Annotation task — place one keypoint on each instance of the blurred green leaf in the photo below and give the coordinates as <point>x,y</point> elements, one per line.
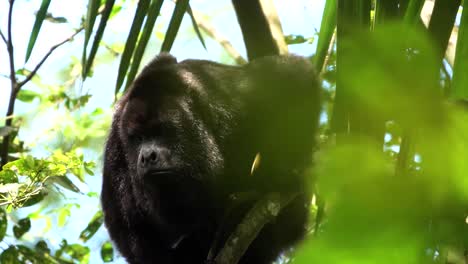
<point>93,226</point>
<point>8,176</point>
<point>116,9</point>
<point>195,26</point>
<point>108,7</point>
<point>27,96</point>
<point>89,171</point>
<point>413,11</point>
<point>107,252</point>
<point>93,194</point>
<point>22,227</point>
<point>153,13</point>
<point>174,24</point>
<point>40,16</point>
<point>42,247</point>
<point>9,256</point>
<point>22,72</point>
<point>62,217</point>
<point>34,199</point>
<point>296,39</point>
<point>58,20</point>
<point>78,252</point>
<point>93,6</point>
<point>140,14</point>
<point>64,182</point>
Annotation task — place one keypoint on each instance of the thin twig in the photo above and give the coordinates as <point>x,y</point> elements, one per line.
<point>3,37</point>
<point>33,72</point>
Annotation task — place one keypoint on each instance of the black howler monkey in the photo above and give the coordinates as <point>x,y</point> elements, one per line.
<point>183,139</point>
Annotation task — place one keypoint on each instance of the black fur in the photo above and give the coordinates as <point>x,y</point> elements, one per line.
<point>182,141</point>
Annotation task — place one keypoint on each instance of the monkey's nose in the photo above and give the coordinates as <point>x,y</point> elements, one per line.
<point>147,157</point>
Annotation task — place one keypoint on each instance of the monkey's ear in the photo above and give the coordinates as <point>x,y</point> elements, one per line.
<point>164,58</point>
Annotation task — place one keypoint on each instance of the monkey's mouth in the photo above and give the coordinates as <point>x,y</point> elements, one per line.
<point>164,177</point>
<point>163,172</point>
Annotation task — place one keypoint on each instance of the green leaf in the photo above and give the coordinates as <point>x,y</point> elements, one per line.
<point>195,26</point>
<point>22,227</point>
<point>326,32</point>
<point>174,24</point>
<point>107,252</point>
<point>64,182</point>
<point>8,176</point>
<point>89,171</point>
<point>295,39</point>
<point>3,223</point>
<point>98,37</point>
<point>153,13</point>
<point>27,255</point>
<point>32,200</point>
<point>23,72</point>
<point>40,16</point>
<point>413,11</point>
<point>9,256</point>
<point>42,247</point>
<point>29,163</point>
<point>116,9</point>
<point>132,38</point>
<point>93,6</point>
<point>63,214</point>
<point>93,226</point>
<point>27,96</point>
<point>78,252</point>
<point>93,194</point>
<point>57,20</point>
<point>6,130</point>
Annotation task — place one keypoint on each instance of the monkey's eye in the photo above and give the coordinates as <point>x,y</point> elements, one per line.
<point>134,136</point>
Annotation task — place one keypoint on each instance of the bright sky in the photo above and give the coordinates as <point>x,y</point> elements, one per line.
<point>301,17</point>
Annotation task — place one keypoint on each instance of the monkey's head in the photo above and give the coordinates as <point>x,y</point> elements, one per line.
<point>171,154</point>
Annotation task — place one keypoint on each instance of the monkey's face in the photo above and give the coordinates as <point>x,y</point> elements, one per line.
<point>171,155</point>
<point>153,133</point>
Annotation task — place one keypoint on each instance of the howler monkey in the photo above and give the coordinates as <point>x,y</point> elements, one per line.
<point>182,142</point>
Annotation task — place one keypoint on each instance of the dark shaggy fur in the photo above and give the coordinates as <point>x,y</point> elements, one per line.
<point>182,142</point>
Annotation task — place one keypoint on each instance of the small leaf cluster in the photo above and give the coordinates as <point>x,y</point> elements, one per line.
<point>23,182</point>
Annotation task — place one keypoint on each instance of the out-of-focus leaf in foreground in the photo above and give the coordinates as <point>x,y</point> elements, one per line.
<point>375,215</point>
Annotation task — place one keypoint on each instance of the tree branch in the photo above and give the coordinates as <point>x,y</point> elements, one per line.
<point>264,211</point>
<point>16,86</point>
<point>33,72</point>
<point>13,84</point>
<point>255,26</point>
<point>10,47</point>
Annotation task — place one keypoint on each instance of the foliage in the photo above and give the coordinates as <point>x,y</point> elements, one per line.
<point>24,181</point>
